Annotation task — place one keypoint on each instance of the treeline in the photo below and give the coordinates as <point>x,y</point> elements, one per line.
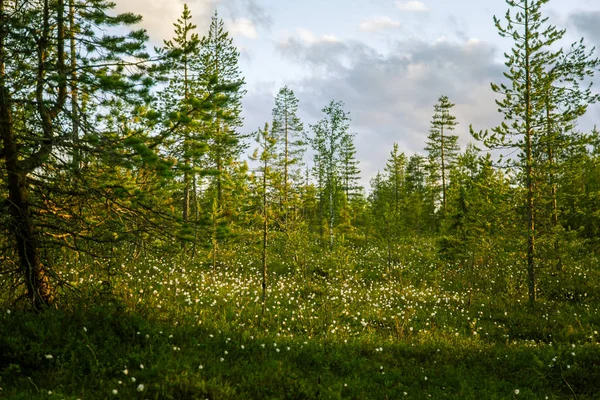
<point>110,153</point>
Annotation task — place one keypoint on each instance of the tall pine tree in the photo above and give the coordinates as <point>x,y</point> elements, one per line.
<point>289,129</point>
<point>442,146</point>
<point>536,73</point>
<point>219,74</point>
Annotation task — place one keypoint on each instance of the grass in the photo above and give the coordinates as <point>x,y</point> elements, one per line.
<point>165,329</point>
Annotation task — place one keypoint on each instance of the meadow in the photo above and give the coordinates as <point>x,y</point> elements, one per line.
<point>342,326</point>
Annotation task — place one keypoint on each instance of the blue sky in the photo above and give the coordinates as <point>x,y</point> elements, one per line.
<point>388,60</point>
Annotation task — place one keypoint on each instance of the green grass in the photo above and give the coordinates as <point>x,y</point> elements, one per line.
<point>354,331</point>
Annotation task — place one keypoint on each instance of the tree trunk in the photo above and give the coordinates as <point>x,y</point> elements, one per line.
<point>76,156</point>
<point>186,173</point>
<point>196,214</point>
<point>553,188</point>
<point>22,226</point>
<point>285,173</point>
<point>186,192</point>
<point>331,216</point>
<point>443,172</point>
<point>529,167</point>
<point>265,231</point>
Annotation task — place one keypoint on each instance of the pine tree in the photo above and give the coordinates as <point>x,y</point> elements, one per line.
<point>416,191</point>
<point>396,176</point>
<point>579,197</point>
<point>38,128</point>
<point>478,227</point>
<point>381,202</point>
<point>289,130</point>
<point>266,154</point>
<point>187,145</point>
<point>350,173</point>
<point>527,104</point>
<point>388,199</point>
<point>219,74</point>
<point>565,99</point>
<point>443,147</point>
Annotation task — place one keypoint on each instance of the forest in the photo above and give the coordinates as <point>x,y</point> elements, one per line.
<point>152,249</point>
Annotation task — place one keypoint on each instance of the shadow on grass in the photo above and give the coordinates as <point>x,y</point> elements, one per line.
<point>107,351</point>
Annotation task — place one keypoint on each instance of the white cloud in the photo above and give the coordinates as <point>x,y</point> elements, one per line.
<point>330,38</point>
<point>306,36</point>
<point>376,24</point>
<point>412,5</point>
<point>310,38</point>
<point>242,27</point>
<point>473,42</point>
<point>158,16</point>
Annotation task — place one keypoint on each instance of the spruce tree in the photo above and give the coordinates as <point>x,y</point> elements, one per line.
<point>350,173</point>
<point>220,78</point>
<point>381,202</point>
<point>478,229</point>
<point>416,192</point>
<point>219,74</point>
<point>396,176</point>
<point>186,142</point>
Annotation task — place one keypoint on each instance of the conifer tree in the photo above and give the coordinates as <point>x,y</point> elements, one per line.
<point>478,227</point>
<point>37,39</point>
<point>289,130</point>
<point>396,175</point>
<point>442,146</point>
<point>565,99</point>
<point>529,118</point>
<point>266,154</point>
<point>381,203</point>
<point>220,78</point>
<point>219,74</point>
<point>350,173</point>
<point>186,142</point>
<point>415,191</point>
<point>388,198</point>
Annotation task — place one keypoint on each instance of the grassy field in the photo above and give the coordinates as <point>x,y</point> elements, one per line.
<point>340,327</point>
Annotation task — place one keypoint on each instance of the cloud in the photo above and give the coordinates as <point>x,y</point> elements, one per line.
<point>310,38</point>
<point>248,9</point>
<point>586,23</point>
<point>159,15</point>
<point>391,96</point>
<point>376,24</point>
<point>242,27</point>
<point>411,6</point>
<point>323,55</point>
<point>292,44</point>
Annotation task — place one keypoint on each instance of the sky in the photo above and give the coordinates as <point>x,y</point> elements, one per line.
<point>388,60</point>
